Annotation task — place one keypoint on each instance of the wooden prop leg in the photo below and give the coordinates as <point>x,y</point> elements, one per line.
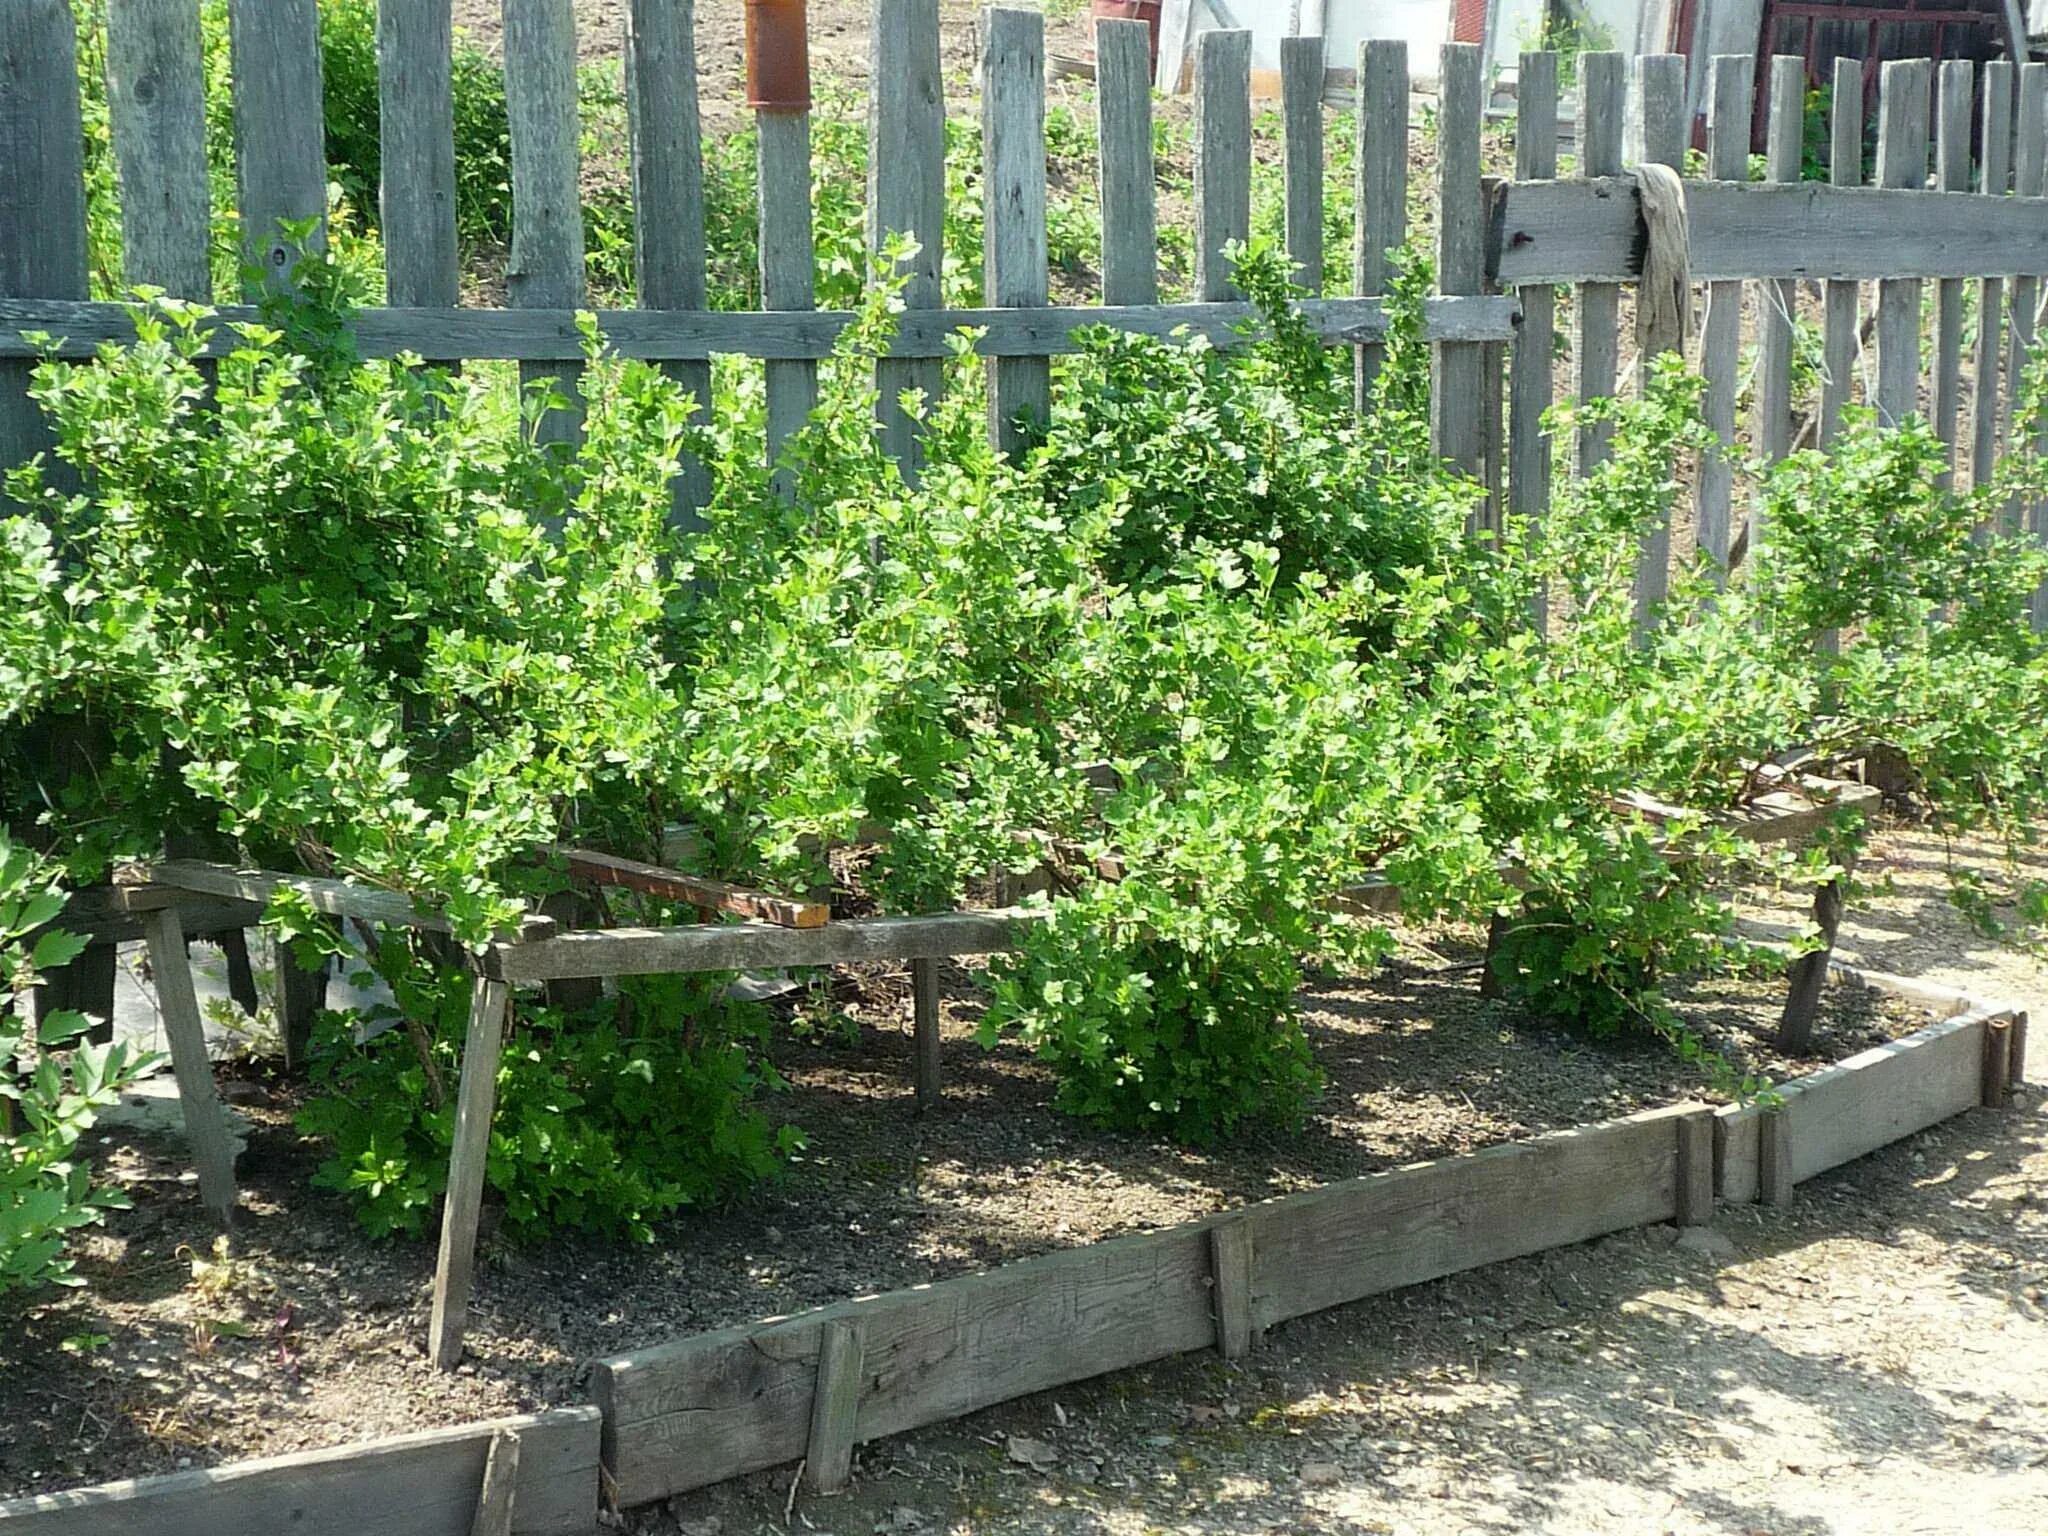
<point>300,995</point>
<point>1809,972</point>
<point>85,986</point>
<point>234,948</point>
<point>924,998</point>
<point>205,1124</point>
<point>474,1102</point>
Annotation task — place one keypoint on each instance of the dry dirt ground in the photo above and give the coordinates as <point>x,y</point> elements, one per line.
<point>1866,1360</point>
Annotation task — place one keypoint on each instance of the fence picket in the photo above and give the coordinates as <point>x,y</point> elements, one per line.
<point>1223,156</point>
<point>1952,174</point>
<point>1995,178</point>
<point>546,270</point>
<point>1382,184</point>
<point>156,84</point>
<point>1658,127</point>
<point>1301,97</point>
<point>280,145</point>
<point>1530,377</point>
<point>1780,297</point>
<point>1123,106</point>
<point>788,259</point>
<point>668,195</point>
<point>1013,211</point>
<point>1903,99</point>
<point>1729,104</point>
<point>416,114</point>
<point>1599,304</point>
<point>1840,343</point>
<point>907,193</point>
<point>1456,428</point>
<point>2030,179</point>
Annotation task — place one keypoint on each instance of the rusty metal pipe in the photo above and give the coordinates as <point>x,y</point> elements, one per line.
<point>778,56</point>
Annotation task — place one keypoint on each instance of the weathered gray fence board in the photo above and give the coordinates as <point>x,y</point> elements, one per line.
<point>1382,190</point>
<point>668,194</point>
<point>1729,102</point>
<point>1658,129</point>
<point>1952,175</point>
<point>1583,231</point>
<point>412,1485</point>
<point>1013,210</point>
<point>907,190</point>
<point>1530,386</point>
<point>1780,296</point>
<point>788,259</point>
<point>1455,420</point>
<point>546,270</point>
<point>156,104</point>
<point>1223,156</point>
<point>2030,179</point>
<point>1903,101</point>
<point>543,335</point>
<point>1301,105</point>
<point>280,143</point>
<point>1994,180</point>
<point>1598,349</point>
<point>1123,107</point>
<point>416,105</point>
<point>42,195</point>
<point>1840,342</point>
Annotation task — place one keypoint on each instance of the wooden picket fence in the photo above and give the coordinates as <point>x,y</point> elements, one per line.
<point>1502,249</point>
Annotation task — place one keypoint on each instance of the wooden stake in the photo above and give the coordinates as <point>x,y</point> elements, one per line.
<point>475,1099</point>
<point>1231,1269</point>
<point>1997,1062</point>
<point>494,1500</point>
<point>205,1127</point>
<point>835,1408</point>
<point>1774,1157</point>
<point>2016,1068</point>
<point>924,1003</point>
<point>1696,1169</point>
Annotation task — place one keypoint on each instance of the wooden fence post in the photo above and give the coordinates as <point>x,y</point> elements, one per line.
<point>1301,97</point>
<point>1901,162</point>
<point>1997,1062</point>
<point>1695,1133</point>
<point>1994,180</point>
<point>1013,212</point>
<point>1456,422</point>
<point>1231,1265</point>
<point>1382,189</point>
<point>835,1407</point>
<point>1658,129</point>
<point>1839,344</point>
<point>156,85</point>
<point>1123,107</point>
<point>1598,349</point>
<point>416,115</point>
<point>546,270</point>
<point>907,193</point>
<point>925,1039</point>
<point>280,135</point>
<point>1223,156</point>
<point>788,260</point>
<point>1530,388</point>
<point>668,198</point>
<point>1729,114</point>
<point>1952,175</point>
<point>1780,296</point>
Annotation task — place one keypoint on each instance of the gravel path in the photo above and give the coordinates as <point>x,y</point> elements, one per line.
<point>1866,1360</point>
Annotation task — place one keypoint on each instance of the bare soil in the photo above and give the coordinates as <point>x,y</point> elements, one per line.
<point>313,1334</point>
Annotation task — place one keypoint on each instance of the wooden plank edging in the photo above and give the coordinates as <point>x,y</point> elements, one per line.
<point>423,1484</point>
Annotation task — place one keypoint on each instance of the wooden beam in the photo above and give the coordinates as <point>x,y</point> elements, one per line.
<point>475,1100</point>
<point>410,1485</point>
<point>206,1128</point>
<point>698,890</point>
<point>336,898</point>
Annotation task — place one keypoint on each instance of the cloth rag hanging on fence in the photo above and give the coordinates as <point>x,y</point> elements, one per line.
<point>1663,298</point>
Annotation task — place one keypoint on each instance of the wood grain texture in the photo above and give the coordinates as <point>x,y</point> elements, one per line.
<point>924,1027</point>
<point>156,106</point>
<point>546,266</point>
<point>416,192</point>
<point>1382,189</point>
<point>1730,101</point>
<point>1129,189</point>
<point>1994,180</point>
<point>1223,156</point>
<point>1533,367</point>
<point>1905,96</point>
<point>206,1128</point>
<point>739,946</point>
<point>1695,1189</point>
<point>476,1099</point>
<point>42,196</point>
<point>1013,212</point>
<point>280,135</point>
<point>2030,179</point>
<point>1951,175</point>
<point>337,898</point>
<point>907,191</point>
<point>1885,1093</point>
<point>1301,111</point>
<point>1456,423</point>
<point>835,1407</point>
<point>1232,1264</point>
<point>1658,131</point>
<point>543,335</point>
<point>668,196</point>
<point>1780,296</point>
<point>1774,1157</point>
<point>788,262</point>
<point>410,1485</point>
<point>1602,88</point>
<point>496,1499</point>
<point>1840,341</point>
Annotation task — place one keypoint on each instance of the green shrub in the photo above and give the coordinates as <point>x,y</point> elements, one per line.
<point>50,1089</point>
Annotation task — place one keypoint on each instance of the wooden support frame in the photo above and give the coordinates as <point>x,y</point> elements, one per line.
<point>1695,1169</point>
<point>205,1124</point>
<point>607,869</point>
<point>476,1098</point>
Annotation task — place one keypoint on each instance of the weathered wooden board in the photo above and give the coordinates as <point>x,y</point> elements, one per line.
<point>1123,108</point>
<point>413,1485</point>
<point>539,335</point>
<point>1569,231</point>
<point>654,880</point>
<point>737,946</point>
<point>699,1410</point>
